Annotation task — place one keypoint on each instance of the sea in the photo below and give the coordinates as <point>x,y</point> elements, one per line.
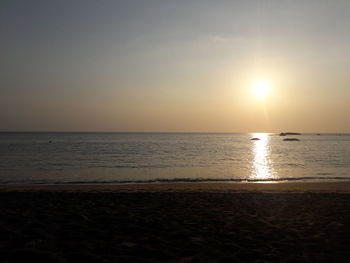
<point>115,158</point>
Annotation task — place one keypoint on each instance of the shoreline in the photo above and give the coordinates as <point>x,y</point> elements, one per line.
<point>273,187</point>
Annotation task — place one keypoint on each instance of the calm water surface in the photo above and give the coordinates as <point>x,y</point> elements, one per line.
<point>148,157</point>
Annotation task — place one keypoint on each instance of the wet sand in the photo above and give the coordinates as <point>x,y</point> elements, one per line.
<point>183,222</point>
<point>283,187</point>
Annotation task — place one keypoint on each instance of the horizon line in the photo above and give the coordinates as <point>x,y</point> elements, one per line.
<point>207,132</point>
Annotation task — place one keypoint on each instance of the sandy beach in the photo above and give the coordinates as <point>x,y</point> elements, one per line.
<point>182,222</point>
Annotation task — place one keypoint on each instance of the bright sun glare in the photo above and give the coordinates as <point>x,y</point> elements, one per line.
<point>261,89</point>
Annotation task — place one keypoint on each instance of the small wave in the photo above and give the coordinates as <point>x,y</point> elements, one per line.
<point>186,180</point>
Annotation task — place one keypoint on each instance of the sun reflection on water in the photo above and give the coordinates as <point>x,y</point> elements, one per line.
<point>262,164</point>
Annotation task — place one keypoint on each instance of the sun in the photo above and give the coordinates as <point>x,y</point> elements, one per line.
<point>261,89</point>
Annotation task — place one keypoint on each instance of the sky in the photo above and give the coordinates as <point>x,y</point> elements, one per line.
<point>174,66</point>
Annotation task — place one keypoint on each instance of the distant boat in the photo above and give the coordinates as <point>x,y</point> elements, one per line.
<point>291,139</point>
<point>289,133</point>
<point>255,139</point>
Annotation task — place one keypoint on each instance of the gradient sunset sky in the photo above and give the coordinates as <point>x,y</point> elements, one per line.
<point>174,66</point>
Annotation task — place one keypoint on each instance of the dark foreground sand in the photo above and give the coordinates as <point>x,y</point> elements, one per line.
<point>176,223</point>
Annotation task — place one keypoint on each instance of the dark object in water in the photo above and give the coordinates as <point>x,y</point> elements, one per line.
<point>291,139</point>
<point>318,134</point>
<point>50,141</point>
<point>255,139</point>
<point>289,133</point>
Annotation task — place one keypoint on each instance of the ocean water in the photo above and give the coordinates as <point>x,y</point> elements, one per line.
<point>53,158</point>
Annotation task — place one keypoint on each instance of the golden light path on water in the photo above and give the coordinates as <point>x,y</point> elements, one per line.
<point>262,166</point>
